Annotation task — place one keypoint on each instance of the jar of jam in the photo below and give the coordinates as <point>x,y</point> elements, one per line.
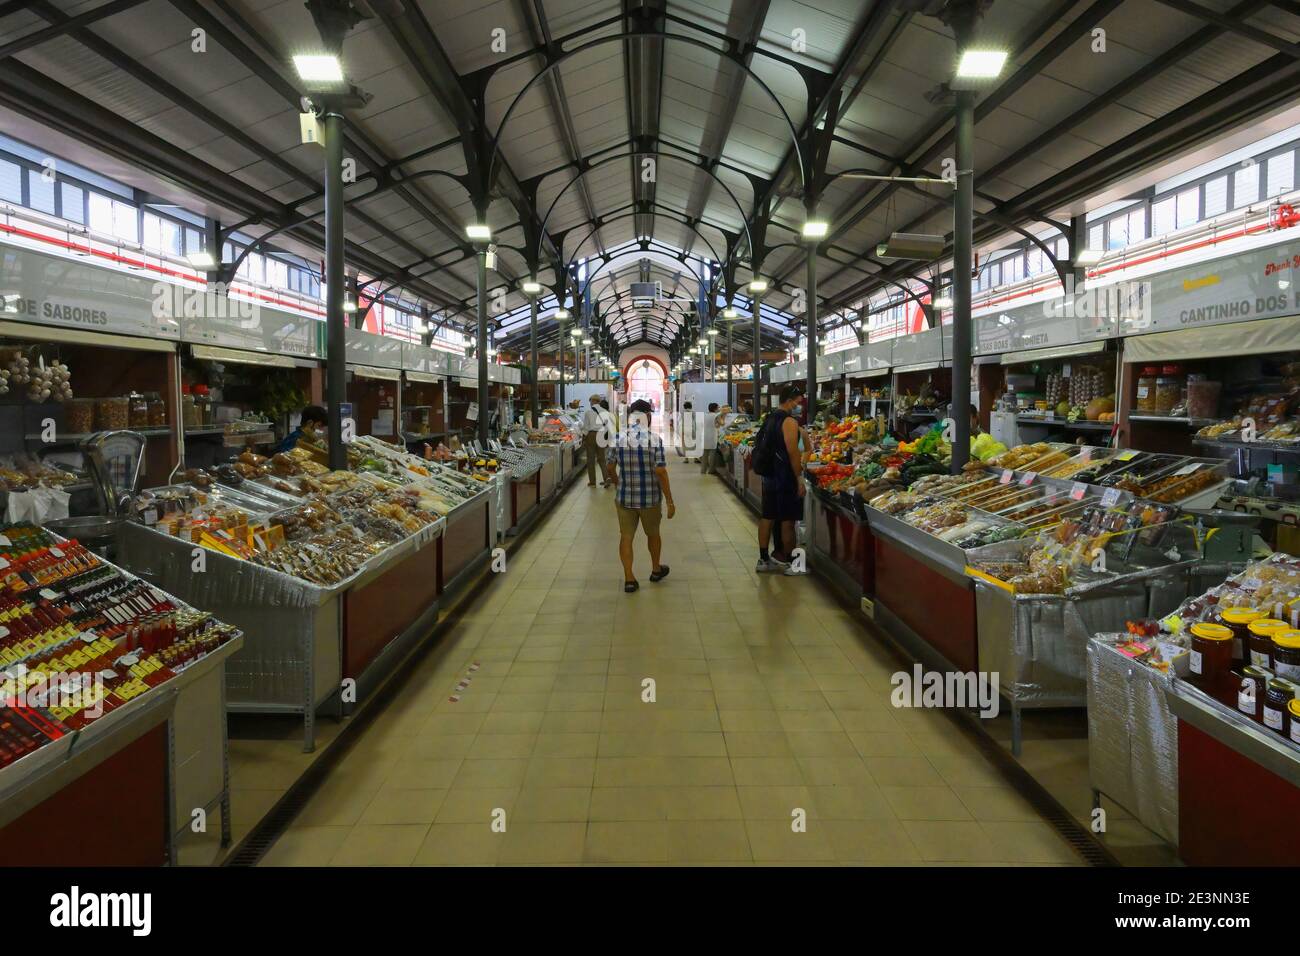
<point>1211,661</point>
<point>1293,718</point>
<point>1250,695</point>
<point>1259,641</point>
<point>1238,620</point>
<point>1146,389</point>
<point>1277,698</point>
<point>1286,654</point>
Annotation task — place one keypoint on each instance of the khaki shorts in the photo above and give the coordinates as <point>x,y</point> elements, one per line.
<point>648,517</point>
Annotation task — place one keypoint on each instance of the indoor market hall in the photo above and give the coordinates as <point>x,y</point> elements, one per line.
<point>770,700</point>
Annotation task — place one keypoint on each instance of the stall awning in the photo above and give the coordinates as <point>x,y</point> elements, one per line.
<point>869,372</point>
<point>1258,337</point>
<point>213,353</point>
<point>59,333</point>
<point>427,377</point>
<point>374,371</point>
<point>1059,351</point>
<point>920,367</point>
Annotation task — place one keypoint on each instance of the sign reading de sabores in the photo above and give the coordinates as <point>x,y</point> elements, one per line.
<point>49,290</point>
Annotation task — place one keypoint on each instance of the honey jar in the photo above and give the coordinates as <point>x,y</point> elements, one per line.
<point>1277,699</point>
<point>1259,641</point>
<point>1293,715</point>
<point>1250,695</point>
<point>1238,620</point>
<point>1286,654</point>
<point>1211,661</point>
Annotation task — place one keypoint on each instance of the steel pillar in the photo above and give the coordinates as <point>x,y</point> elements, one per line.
<point>535,403</point>
<point>335,319</point>
<point>758,353</point>
<point>481,348</point>
<point>963,229</point>
<point>810,403</point>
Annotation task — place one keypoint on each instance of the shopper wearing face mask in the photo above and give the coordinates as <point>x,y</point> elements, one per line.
<point>783,485</point>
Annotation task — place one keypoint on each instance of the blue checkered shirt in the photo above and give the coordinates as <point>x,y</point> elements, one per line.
<point>637,452</point>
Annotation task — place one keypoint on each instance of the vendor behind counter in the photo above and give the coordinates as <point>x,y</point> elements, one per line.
<point>313,425</point>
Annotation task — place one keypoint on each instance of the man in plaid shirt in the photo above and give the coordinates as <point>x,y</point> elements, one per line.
<point>635,464</point>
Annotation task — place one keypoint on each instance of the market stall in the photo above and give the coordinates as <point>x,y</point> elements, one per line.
<point>115,689</point>
<point>328,572</point>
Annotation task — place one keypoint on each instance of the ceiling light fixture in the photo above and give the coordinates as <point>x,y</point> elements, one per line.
<point>531,287</point>
<point>562,313</point>
<point>757,285</point>
<point>349,304</point>
<point>319,68</point>
<point>943,302</point>
<point>1088,257</point>
<point>202,260</point>
<point>479,231</point>
<point>815,229</point>
<point>981,64</point>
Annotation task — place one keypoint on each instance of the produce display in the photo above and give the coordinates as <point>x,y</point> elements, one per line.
<point>81,638</point>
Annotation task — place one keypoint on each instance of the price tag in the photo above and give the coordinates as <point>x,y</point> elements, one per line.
<point>1188,469</point>
<point>56,552</point>
<point>1110,498</point>
<point>1085,455</point>
<point>1126,455</point>
<point>1078,490</point>
<point>150,517</point>
<point>1027,478</point>
<point>4,541</point>
<point>50,595</point>
<point>1007,475</point>
<point>3,564</point>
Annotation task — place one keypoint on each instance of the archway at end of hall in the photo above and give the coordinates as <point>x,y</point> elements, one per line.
<point>647,378</point>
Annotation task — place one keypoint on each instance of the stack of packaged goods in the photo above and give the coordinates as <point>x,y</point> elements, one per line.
<point>80,638</point>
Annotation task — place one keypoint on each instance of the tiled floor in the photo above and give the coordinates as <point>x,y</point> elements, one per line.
<point>770,738</point>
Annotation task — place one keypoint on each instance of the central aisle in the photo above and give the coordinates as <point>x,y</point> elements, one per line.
<point>770,698</point>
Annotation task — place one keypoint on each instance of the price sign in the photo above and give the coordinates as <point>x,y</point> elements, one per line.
<point>1027,478</point>
<point>1188,469</point>
<point>1085,455</point>
<point>1007,475</point>
<point>1078,490</point>
<point>1126,456</point>
<point>1110,498</point>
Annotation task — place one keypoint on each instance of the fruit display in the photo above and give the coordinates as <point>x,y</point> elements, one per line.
<point>1085,460</point>
<point>82,638</point>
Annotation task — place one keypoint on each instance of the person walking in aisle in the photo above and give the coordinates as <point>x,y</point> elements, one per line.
<point>708,439</point>
<point>608,429</point>
<point>591,425</point>
<point>635,464</point>
<point>783,486</point>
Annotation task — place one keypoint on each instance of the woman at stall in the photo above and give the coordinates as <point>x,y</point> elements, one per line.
<point>312,425</point>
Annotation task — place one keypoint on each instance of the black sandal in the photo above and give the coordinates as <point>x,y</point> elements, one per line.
<point>660,574</point>
<point>630,586</point>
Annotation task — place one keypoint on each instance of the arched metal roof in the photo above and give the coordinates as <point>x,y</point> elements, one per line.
<point>194,101</point>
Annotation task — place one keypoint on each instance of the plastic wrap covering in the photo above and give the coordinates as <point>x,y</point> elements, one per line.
<point>291,627</point>
<point>1132,737</point>
<point>1038,644</point>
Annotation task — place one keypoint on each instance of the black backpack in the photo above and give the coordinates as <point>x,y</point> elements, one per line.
<point>763,460</point>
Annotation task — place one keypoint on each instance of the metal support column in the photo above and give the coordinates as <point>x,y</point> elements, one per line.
<point>1078,241</point>
<point>810,403</point>
<point>535,392</point>
<point>481,348</point>
<point>335,319</point>
<point>562,334</point>
<point>963,224</point>
<point>731,387</point>
<point>758,353</point>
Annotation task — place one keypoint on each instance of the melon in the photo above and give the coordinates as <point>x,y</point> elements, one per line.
<point>1098,407</point>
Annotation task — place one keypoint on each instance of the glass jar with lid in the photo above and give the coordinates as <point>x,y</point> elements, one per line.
<point>1211,661</point>
<point>1286,654</point>
<point>189,410</point>
<point>112,414</point>
<point>157,410</point>
<point>1146,389</point>
<point>1169,389</point>
<point>1259,641</point>
<point>1277,701</point>
<point>79,416</point>
<point>1238,620</point>
<point>137,410</point>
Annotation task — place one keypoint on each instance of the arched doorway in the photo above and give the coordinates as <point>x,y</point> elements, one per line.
<point>646,379</point>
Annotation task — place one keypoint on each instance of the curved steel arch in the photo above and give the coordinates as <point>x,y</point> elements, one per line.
<point>609,159</point>
<point>624,38</point>
<point>653,205</point>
